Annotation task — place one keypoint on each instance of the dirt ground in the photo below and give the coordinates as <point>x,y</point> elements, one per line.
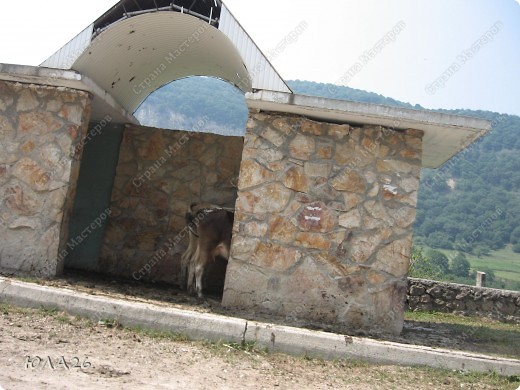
<point>414,332</point>
<point>50,350</point>
<point>41,349</point>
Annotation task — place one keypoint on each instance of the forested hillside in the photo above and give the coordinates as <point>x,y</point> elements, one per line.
<point>471,204</point>
<point>182,103</point>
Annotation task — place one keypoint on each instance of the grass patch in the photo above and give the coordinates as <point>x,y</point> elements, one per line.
<point>450,318</point>
<point>60,316</point>
<point>27,279</point>
<point>504,262</point>
<point>444,378</point>
<point>6,308</point>
<point>158,334</point>
<point>484,335</point>
<point>248,347</point>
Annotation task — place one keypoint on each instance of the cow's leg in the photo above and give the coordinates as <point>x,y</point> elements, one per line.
<point>191,269</point>
<point>186,259</point>
<point>184,268</point>
<point>200,266</point>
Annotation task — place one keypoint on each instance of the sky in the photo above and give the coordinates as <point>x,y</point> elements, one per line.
<point>439,54</point>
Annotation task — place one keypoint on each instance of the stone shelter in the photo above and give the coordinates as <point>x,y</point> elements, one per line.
<point>324,190</point>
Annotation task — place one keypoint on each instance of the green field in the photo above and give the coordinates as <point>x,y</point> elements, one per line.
<point>504,263</point>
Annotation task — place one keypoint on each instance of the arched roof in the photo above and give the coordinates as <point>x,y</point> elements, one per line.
<point>136,56</point>
<point>138,46</point>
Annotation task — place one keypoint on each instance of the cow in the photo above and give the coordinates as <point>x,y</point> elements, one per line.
<point>209,236</point>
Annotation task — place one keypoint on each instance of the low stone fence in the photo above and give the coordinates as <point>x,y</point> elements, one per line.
<point>426,295</point>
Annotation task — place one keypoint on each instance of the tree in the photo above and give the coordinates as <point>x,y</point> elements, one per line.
<point>439,240</point>
<point>422,267</point>
<point>516,248</point>
<point>460,265</point>
<point>481,250</point>
<point>439,260</point>
<point>515,236</point>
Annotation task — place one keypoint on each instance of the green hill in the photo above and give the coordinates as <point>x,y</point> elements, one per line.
<point>470,204</point>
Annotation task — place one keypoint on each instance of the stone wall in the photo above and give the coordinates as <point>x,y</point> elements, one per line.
<point>159,174</point>
<point>323,224</point>
<point>40,129</point>
<point>427,295</point>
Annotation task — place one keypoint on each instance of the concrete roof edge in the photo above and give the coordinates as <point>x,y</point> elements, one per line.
<point>37,74</point>
<point>68,79</point>
<point>368,110</point>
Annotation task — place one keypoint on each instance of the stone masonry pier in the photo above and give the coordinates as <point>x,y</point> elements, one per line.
<point>41,129</point>
<point>323,225</point>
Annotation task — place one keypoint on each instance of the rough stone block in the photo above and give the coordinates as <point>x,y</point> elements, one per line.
<point>252,174</point>
<point>6,128</point>
<point>281,229</point>
<point>390,166</point>
<point>312,240</point>
<point>416,290</point>
<point>256,229</point>
<point>435,291</point>
<point>271,197</point>
<point>350,181</point>
<point>338,132</point>
<point>324,150</point>
<point>317,169</point>
<point>274,256</point>
<point>302,147</point>
<point>273,136</point>
<point>350,220</point>
<point>38,123</point>
<point>296,180</point>
<point>311,127</point>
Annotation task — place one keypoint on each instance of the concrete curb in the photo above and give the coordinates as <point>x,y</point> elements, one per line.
<point>131,314</point>
<point>275,337</point>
